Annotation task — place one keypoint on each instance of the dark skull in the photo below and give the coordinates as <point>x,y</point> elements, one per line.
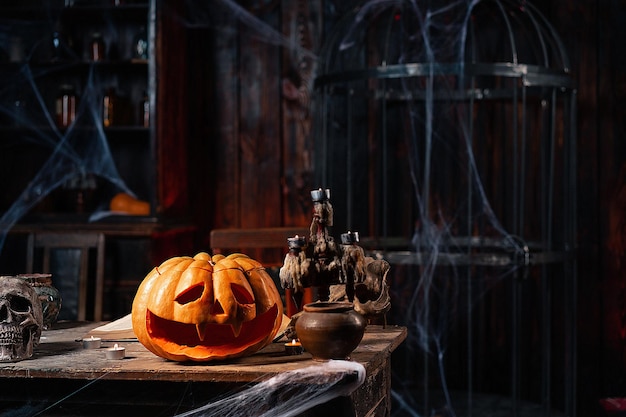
<point>21,319</point>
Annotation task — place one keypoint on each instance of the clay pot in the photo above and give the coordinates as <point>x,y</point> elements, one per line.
<point>48,295</point>
<point>330,330</point>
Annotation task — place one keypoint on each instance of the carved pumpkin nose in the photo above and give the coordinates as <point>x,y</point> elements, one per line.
<point>242,310</point>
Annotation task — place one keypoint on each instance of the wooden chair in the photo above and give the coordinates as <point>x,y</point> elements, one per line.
<point>267,245</point>
<point>82,242</point>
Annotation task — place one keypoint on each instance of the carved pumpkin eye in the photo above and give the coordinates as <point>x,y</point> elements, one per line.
<point>191,294</point>
<point>241,294</point>
<point>228,307</point>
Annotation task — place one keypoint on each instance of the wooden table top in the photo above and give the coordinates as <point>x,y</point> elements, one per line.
<point>60,354</point>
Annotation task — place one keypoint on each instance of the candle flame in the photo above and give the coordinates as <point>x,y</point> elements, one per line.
<point>293,342</point>
<point>115,346</point>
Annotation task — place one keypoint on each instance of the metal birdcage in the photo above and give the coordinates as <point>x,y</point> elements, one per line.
<point>446,131</point>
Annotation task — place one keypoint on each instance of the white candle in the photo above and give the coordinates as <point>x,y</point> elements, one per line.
<point>92,343</point>
<point>116,352</point>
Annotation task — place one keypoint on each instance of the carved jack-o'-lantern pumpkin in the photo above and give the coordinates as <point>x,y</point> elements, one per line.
<point>205,308</point>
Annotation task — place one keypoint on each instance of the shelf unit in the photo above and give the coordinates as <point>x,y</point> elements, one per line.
<point>60,178</point>
<point>49,57</point>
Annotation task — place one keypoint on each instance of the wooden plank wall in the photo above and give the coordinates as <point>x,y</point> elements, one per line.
<point>593,33</point>
<point>257,169</point>
<point>255,164</point>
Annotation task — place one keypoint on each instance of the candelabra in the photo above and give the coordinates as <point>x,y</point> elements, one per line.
<point>320,269</point>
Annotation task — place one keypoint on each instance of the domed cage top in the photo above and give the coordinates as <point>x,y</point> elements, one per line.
<point>446,132</point>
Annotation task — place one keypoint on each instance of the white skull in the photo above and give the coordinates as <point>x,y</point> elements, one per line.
<point>21,319</point>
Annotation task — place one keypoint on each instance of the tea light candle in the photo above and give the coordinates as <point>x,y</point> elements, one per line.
<point>116,352</point>
<point>296,243</point>
<point>92,343</point>
<point>349,238</point>
<point>293,348</point>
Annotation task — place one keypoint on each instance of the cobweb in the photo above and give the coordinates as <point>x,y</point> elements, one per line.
<point>289,393</point>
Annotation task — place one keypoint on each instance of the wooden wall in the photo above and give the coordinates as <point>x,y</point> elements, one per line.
<point>254,153</point>
<point>256,148</point>
<point>593,33</point>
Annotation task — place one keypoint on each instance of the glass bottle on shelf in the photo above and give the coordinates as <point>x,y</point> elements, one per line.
<point>16,115</point>
<point>96,47</point>
<point>19,112</point>
<point>144,111</point>
<point>66,106</point>
<point>57,44</point>
<point>60,47</point>
<point>108,107</point>
<point>16,48</point>
<point>140,45</point>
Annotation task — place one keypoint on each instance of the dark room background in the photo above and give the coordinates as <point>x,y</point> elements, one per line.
<point>232,90</point>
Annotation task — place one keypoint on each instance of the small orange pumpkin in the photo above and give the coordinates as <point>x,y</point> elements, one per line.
<point>126,203</point>
<point>207,308</point>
